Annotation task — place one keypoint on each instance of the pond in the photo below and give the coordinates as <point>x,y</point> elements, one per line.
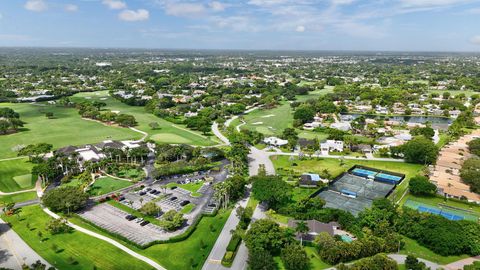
<point>437,122</point>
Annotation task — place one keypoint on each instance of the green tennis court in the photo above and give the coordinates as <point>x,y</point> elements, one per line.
<point>443,210</point>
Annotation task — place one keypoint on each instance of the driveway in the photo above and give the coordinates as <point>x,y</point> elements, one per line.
<point>14,252</point>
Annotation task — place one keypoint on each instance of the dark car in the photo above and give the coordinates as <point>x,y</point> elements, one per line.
<point>143,223</point>
<point>148,189</point>
<point>153,191</point>
<point>174,187</point>
<point>130,217</point>
<point>212,205</point>
<point>173,198</point>
<point>157,192</point>
<point>142,193</point>
<point>184,203</point>
<point>121,198</point>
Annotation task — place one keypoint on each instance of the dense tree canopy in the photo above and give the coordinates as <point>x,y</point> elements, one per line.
<point>420,150</point>
<point>65,199</point>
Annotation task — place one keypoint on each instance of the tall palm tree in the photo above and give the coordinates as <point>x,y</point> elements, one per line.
<point>302,229</point>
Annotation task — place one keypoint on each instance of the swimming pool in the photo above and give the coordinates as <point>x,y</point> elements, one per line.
<point>346,238</point>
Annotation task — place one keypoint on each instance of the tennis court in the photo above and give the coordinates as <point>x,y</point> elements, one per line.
<point>444,211</point>
<point>363,172</point>
<point>353,193</point>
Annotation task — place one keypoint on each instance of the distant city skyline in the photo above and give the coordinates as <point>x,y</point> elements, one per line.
<point>378,25</point>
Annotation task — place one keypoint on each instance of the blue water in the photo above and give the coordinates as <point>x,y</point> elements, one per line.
<point>346,238</point>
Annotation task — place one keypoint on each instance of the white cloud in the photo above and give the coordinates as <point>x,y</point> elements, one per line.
<point>475,40</point>
<point>114,4</point>
<point>217,6</point>
<point>71,7</point>
<point>263,3</point>
<point>185,9</point>
<point>36,5</point>
<point>431,3</point>
<point>8,37</point>
<point>300,28</point>
<point>342,2</point>
<point>134,15</point>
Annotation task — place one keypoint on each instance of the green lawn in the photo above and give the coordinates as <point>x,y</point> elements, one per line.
<point>15,175</point>
<point>283,164</point>
<point>192,187</point>
<point>20,197</point>
<point>467,93</point>
<point>67,128</point>
<point>272,122</point>
<point>87,251</point>
<point>186,254</point>
<point>315,262</point>
<point>167,133</point>
<point>413,248</point>
<point>107,184</point>
<point>188,208</point>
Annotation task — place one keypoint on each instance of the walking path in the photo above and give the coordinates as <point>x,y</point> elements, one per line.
<point>14,252</point>
<point>109,240</point>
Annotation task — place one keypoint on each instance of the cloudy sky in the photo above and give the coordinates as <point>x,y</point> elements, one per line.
<point>399,25</point>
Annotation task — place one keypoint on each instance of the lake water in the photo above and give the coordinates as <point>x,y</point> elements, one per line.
<point>436,122</point>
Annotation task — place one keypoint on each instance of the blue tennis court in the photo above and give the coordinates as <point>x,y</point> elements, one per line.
<point>439,212</point>
<point>388,178</point>
<point>363,172</point>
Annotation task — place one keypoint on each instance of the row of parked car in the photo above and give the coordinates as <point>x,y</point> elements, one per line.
<point>149,190</point>
<point>136,219</point>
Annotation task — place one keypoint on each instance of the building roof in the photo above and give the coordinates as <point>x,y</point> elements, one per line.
<point>316,227</point>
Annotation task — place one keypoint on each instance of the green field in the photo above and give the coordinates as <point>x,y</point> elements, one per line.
<point>87,252</point>
<point>167,133</point>
<point>411,247</point>
<point>272,122</point>
<point>335,168</point>
<point>104,185</point>
<point>467,93</point>
<point>192,187</point>
<point>15,175</point>
<point>67,128</point>
<point>315,262</point>
<point>20,197</point>
<point>186,254</point>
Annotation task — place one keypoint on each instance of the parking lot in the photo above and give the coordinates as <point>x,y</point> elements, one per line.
<point>174,198</point>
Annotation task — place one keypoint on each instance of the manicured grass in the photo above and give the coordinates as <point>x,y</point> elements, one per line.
<point>192,187</point>
<point>16,198</point>
<point>188,208</point>
<point>87,251</point>
<point>15,174</point>
<point>315,261</point>
<point>107,184</point>
<point>186,254</point>
<point>317,165</point>
<point>167,133</point>
<point>467,93</point>
<point>66,128</point>
<point>413,248</point>
<point>272,122</point>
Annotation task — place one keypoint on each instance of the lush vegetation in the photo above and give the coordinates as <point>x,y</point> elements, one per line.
<point>420,185</point>
<point>65,199</point>
<point>16,175</point>
<point>71,250</point>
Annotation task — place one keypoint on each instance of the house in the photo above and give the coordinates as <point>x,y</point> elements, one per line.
<point>274,141</point>
<point>343,126</point>
<point>312,125</point>
<point>306,143</point>
<point>314,228</point>
<point>311,180</point>
<point>332,145</point>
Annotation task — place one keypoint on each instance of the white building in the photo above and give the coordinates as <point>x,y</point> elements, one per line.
<point>332,145</point>
<point>274,141</point>
<point>344,126</point>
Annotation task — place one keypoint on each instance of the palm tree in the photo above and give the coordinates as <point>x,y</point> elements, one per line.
<point>301,229</point>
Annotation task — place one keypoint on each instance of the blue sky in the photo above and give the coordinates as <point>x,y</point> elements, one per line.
<point>399,25</point>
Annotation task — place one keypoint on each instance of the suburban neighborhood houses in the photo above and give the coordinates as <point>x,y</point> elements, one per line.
<point>153,159</point>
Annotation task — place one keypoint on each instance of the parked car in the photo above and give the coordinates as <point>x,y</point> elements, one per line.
<point>143,223</point>
<point>142,193</point>
<point>173,198</point>
<point>183,203</point>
